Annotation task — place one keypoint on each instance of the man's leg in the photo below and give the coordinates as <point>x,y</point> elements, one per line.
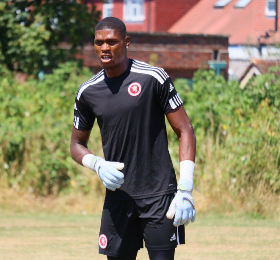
<point>120,234</point>
<point>162,255</point>
<point>160,235</point>
<point>125,257</point>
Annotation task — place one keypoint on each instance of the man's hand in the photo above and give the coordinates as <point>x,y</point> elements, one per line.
<point>109,174</point>
<point>182,206</point>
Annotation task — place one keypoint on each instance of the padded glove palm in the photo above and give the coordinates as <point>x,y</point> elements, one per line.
<point>182,206</point>
<point>109,174</point>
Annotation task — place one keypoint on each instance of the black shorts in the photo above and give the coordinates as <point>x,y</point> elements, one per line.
<point>125,223</point>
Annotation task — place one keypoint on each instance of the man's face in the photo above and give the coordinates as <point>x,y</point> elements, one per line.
<point>110,47</point>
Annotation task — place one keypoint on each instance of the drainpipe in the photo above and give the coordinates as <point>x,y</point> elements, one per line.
<point>259,44</point>
<point>276,15</point>
<point>267,32</point>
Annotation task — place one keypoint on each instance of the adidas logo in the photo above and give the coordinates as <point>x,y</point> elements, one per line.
<point>171,87</point>
<point>173,237</point>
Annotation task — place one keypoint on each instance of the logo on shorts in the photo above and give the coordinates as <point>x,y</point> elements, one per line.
<point>173,237</point>
<point>134,89</point>
<point>103,241</point>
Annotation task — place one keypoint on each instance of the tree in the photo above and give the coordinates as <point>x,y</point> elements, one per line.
<point>31,31</point>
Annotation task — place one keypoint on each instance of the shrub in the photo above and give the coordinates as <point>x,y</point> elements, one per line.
<point>238,136</point>
<point>36,122</point>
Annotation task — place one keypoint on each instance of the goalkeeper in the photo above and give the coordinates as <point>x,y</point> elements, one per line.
<point>129,99</point>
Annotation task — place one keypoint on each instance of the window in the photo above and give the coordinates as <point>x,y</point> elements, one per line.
<point>134,10</point>
<point>108,8</point>
<point>221,3</point>
<point>216,55</point>
<point>270,8</point>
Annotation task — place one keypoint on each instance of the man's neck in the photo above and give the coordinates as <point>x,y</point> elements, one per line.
<point>112,73</point>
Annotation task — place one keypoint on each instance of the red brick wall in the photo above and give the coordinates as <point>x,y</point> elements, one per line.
<point>179,55</point>
<point>159,14</point>
<point>170,11</point>
<point>139,26</point>
<point>261,23</point>
<point>97,3</point>
<point>278,11</point>
<point>118,12</point>
<point>118,9</point>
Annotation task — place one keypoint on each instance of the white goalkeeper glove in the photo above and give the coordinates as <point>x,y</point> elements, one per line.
<point>182,206</point>
<point>108,172</point>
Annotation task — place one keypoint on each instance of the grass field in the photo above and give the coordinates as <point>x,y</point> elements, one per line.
<point>62,236</point>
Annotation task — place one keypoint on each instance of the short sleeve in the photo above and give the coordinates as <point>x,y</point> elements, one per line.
<point>167,96</point>
<point>83,117</point>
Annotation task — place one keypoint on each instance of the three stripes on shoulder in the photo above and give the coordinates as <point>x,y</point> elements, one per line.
<point>137,67</point>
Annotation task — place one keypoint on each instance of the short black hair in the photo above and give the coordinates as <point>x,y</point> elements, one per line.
<point>111,23</point>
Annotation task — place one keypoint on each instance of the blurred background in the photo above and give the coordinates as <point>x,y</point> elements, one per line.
<point>223,58</point>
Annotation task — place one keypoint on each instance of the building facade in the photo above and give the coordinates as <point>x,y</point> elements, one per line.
<point>179,54</point>
<point>144,15</point>
<point>147,23</point>
<point>252,26</point>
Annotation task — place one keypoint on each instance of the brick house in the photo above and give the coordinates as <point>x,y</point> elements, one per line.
<point>251,24</point>
<point>180,55</point>
<point>144,15</point>
<point>147,23</point>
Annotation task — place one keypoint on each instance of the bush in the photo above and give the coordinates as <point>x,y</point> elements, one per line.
<point>238,136</point>
<point>36,122</point>
<point>31,32</point>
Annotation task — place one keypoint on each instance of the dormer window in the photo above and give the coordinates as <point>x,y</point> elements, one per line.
<point>221,3</point>
<point>242,3</point>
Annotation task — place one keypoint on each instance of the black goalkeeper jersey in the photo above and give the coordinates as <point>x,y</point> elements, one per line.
<point>130,111</point>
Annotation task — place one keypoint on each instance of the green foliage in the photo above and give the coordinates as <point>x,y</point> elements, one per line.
<point>36,122</point>
<point>31,31</point>
<point>238,135</point>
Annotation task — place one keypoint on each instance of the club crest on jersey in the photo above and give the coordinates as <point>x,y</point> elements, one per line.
<point>134,89</point>
<point>103,241</point>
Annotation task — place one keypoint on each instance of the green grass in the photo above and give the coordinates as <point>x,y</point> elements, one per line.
<point>61,236</point>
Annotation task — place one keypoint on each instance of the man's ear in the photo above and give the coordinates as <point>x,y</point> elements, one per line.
<point>127,41</point>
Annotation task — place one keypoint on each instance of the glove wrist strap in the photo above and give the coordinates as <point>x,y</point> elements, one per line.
<point>186,175</point>
<point>185,185</point>
<point>94,164</point>
<point>186,170</point>
<point>90,161</point>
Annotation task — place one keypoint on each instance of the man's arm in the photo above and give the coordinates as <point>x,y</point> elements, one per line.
<point>79,141</point>
<point>107,171</point>
<point>182,206</point>
<point>182,126</point>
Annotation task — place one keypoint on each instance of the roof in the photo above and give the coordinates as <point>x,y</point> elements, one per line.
<point>179,34</point>
<point>258,67</point>
<point>229,20</point>
<point>264,65</point>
